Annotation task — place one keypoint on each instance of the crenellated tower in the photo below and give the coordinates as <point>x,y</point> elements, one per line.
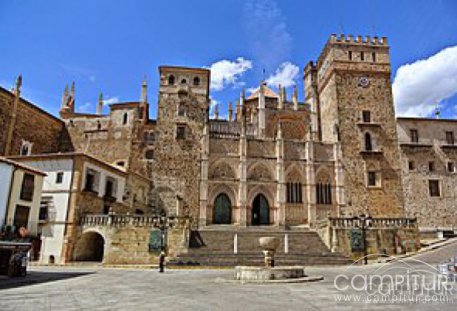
<point>350,91</point>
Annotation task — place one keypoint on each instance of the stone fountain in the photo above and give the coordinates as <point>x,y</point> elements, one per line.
<point>270,272</point>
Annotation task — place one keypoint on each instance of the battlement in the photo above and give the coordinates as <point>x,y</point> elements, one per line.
<point>342,38</point>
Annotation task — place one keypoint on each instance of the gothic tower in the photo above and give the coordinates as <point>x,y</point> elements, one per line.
<point>353,92</point>
<point>181,117</point>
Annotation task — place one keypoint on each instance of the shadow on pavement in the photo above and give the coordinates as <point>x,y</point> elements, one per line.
<point>38,277</point>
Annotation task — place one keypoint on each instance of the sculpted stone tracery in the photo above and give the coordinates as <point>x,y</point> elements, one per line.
<point>222,170</point>
<point>260,172</point>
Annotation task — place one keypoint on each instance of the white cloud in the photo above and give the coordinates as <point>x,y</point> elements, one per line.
<point>110,100</point>
<point>226,72</point>
<point>420,86</point>
<point>284,75</point>
<point>85,107</point>
<point>266,29</point>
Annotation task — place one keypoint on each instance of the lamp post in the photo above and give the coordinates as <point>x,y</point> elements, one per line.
<point>364,221</point>
<point>162,227</point>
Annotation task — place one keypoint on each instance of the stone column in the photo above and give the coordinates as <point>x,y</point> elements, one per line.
<point>339,178</point>
<point>204,178</point>
<point>310,181</point>
<point>242,188</point>
<point>280,178</point>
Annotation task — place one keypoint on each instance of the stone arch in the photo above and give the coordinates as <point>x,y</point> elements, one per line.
<point>324,186</point>
<point>221,170</point>
<point>294,174</point>
<point>369,142</point>
<point>323,174</point>
<point>222,188</point>
<point>260,172</point>
<point>90,246</point>
<point>269,195</point>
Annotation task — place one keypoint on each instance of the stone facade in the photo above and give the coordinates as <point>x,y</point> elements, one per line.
<point>275,161</point>
<point>429,158</point>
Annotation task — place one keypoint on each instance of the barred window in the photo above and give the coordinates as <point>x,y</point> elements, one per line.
<point>323,193</point>
<point>294,192</point>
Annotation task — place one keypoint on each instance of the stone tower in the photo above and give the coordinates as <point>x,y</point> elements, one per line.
<point>182,115</point>
<point>351,88</point>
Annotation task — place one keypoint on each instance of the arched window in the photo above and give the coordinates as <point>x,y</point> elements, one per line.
<point>196,81</point>
<point>222,209</point>
<point>323,193</point>
<point>183,81</point>
<point>99,125</point>
<point>171,80</point>
<point>368,142</point>
<point>125,118</point>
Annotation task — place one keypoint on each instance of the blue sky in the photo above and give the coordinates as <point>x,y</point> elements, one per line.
<point>108,46</point>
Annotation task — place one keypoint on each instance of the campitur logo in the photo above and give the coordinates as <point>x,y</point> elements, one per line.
<point>396,282</point>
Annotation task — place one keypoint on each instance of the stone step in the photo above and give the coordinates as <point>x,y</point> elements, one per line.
<point>214,246</point>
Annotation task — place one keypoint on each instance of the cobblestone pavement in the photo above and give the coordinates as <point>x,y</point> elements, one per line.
<point>69,288</point>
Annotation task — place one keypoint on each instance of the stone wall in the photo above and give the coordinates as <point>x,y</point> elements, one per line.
<point>425,161</point>
<point>32,124</point>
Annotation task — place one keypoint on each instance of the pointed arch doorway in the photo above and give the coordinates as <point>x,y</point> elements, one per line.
<point>222,210</point>
<point>260,211</point>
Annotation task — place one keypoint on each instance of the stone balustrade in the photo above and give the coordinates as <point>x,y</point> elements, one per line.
<point>375,223</point>
<point>123,220</point>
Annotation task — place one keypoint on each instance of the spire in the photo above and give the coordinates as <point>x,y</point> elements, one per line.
<point>295,97</point>
<point>242,97</point>
<point>65,97</point>
<point>144,91</point>
<point>100,104</point>
<point>216,111</point>
<point>19,83</point>
<point>280,98</point>
<point>230,111</point>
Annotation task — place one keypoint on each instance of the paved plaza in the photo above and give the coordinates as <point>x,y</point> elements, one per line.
<point>97,288</point>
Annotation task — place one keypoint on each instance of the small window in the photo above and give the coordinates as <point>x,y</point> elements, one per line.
<point>373,56</point>
<point>26,148</point>
<point>434,188</point>
<point>450,138</point>
<point>90,181</point>
<point>181,132</point>
<point>183,81</point>
<point>196,81</point>
<point>411,165</point>
<point>125,118</point>
<point>99,125</point>
<point>149,155</point>
<point>366,116</point>
<point>59,177</point>
<point>431,166</point>
<point>371,179</point>
<point>171,80</point>
<point>44,213</point>
<point>120,163</point>
<point>450,167</point>
<point>368,142</point>
<point>414,135</point>
<point>362,56</point>
<point>350,55</point>
<point>28,187</point>
<point>110,188</point>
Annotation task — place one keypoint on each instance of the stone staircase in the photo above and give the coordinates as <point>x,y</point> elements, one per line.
<point>215,246</point>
